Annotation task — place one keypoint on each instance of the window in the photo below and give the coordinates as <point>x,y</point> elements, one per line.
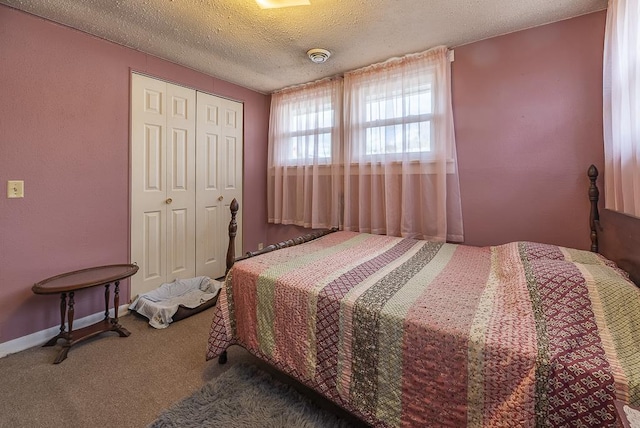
<point>399,122</point>
<point>384,140</point>
<point>621,98</point>
<point>309,134</point>
<point>391,112</point>
<point>304,125</point>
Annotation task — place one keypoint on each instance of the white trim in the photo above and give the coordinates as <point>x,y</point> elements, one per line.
<point>41,337</point>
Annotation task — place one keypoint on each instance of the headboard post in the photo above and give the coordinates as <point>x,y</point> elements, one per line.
<point>233,229</point>
<point>594,216</point>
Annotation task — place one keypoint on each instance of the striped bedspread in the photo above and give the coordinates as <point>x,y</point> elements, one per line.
<point>415,333</point>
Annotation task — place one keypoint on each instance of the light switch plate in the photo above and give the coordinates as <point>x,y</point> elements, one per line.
<point>15,189</point>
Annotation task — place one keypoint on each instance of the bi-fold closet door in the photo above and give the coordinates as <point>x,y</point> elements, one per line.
<point>186,167</point>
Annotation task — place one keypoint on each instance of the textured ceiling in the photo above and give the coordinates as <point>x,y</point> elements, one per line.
<point>265,50</point>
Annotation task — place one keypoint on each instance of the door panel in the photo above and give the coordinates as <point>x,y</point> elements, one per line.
<point>153,247</point>
<point>212,247</point>
<point>211,164</point>
<point>181,243</point>
<point>152,158</point>
<point>180,165</point>
<point>231,164</point>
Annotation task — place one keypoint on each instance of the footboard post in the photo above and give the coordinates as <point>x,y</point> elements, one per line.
<point>231,254</point>
<point>594,217</point>
<point>233,229</point>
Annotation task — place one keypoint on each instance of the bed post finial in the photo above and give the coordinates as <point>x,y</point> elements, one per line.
<point>594,217</point>
<point>233,228</point>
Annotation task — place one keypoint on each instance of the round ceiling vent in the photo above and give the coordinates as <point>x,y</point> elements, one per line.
<point>318,55</point>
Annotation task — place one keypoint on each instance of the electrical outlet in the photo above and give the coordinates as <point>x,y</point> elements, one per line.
<point>15,189</point>
<point>260,246</point>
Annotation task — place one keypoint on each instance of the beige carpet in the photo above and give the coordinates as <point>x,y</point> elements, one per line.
<point>109,380</point>
<point>114,381</point>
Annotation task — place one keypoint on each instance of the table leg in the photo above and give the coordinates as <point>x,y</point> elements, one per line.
<point>106,301</point>
<point>62,355</point>
<point>70,313</point>
<point>116,301</point>
<point>63,310</point>
<point>123,332</point>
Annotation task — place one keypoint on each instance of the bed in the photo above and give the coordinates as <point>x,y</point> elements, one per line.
<point>403,332</point>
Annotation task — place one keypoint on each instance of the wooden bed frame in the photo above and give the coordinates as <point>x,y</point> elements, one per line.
<point>615,236</point>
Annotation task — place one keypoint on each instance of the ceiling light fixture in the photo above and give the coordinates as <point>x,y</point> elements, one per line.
<point>318,55</point>
<point>272,4</point>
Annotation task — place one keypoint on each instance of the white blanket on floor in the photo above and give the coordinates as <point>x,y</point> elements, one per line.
<point>161,304</point>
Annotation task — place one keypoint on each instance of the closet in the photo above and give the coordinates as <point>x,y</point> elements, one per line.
<point>186,168</point>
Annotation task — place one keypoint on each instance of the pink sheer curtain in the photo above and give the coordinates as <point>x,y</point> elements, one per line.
<point>401,175</point>
<point>304,180</point>
<point>622,107</point>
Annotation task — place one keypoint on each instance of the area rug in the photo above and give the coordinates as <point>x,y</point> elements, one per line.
<point>245,396</point>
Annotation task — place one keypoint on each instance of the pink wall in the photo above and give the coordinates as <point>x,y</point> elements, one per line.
<point>64,130</point>
<point>528,116</point>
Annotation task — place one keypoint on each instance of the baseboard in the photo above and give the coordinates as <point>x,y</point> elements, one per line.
<point>42,336</point>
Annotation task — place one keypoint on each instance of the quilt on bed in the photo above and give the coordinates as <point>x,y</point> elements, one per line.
<point>416,333</point>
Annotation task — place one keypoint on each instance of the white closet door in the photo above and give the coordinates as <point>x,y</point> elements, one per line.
<point>219,180</point>
<point>162,182</point>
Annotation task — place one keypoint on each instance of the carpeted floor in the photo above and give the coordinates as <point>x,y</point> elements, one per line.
<point>246,396</point>
<point>114,381</point>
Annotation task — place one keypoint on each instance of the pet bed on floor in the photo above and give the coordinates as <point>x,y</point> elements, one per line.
<point>176,300</point>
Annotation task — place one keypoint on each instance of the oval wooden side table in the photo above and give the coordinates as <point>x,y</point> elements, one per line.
<point>70,282</point>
